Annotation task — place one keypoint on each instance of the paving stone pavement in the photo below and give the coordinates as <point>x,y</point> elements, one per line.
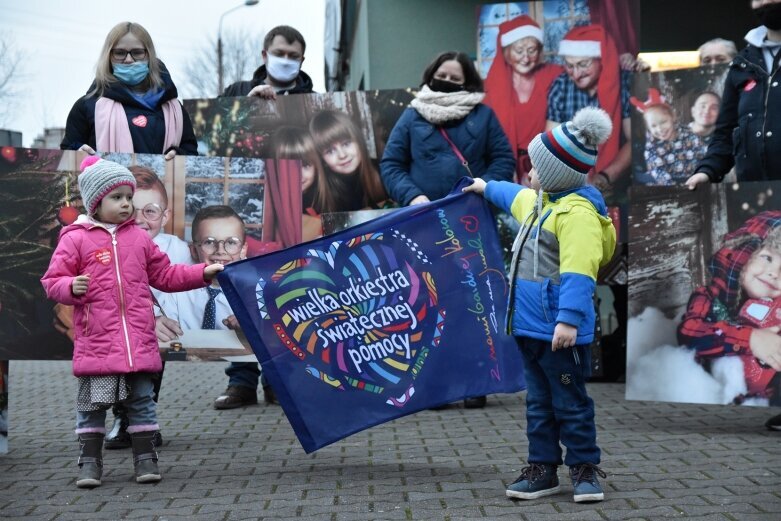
<point>663,461</point>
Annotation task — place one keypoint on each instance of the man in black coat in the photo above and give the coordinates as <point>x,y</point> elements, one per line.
<point>748,130</point>
<point>280,74</point>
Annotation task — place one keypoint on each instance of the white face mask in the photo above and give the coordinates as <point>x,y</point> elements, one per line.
<point>282,69</point>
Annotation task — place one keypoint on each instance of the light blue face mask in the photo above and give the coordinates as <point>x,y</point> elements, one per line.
<point>131,73</point>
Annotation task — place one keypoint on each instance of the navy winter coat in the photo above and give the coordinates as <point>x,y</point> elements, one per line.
<point>147,139</point>
<point>748,130</point>
<point>419,161</point>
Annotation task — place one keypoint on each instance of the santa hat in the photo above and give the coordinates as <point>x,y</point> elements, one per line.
<point>564,155</point>
<point>517,28</point>
<point>592,41</point>
<point>98,177</point>
<point>581,42</point>
<point>655,99</point>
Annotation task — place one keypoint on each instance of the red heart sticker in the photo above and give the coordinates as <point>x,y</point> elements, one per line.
<point>139,121</point>
<point>103,256</point>
<point>750,84</point>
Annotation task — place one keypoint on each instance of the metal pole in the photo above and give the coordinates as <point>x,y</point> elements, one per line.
<point>247,3</point>
<point>219,65</point>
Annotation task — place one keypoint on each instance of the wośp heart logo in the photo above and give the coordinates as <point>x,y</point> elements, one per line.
<point>358,317</point>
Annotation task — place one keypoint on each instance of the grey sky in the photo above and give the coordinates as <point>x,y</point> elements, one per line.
<point>62,40</point>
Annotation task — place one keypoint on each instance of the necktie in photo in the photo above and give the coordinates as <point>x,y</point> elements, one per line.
<point>210,311</point>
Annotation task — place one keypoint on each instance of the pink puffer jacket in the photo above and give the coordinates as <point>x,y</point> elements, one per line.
<point>114,321</point>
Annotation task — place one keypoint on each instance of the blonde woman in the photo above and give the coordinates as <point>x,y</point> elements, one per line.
<point>132,103</point>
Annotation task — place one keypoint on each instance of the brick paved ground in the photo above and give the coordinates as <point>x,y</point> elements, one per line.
<point>664,461</point>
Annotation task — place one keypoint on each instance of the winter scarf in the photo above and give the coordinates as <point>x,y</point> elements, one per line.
<point>440,107</point>
<point>112,132</point>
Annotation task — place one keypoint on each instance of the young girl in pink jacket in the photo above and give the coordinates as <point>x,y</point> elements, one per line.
<point>103,266</point>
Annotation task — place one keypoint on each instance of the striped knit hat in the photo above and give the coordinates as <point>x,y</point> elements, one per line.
<point>563,156</point>
<point>98,177</point>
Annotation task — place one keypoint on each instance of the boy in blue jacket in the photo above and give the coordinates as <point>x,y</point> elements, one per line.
<point>565,237</point>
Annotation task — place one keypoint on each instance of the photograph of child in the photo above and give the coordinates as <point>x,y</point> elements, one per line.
<point>153,212</point>
<point>671,149</point>
<point>736,313</point>
<point>296,143</point>
<point>38,188</point>
<point>673,121</point>
<point>704,297</point>
<point>218,233</point>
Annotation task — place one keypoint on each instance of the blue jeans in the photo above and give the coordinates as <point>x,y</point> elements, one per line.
<point>140,405</point>
<point>244,374</point>
<point>557,405</point>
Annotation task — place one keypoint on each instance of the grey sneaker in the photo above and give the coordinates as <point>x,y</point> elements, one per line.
<point>585,483</point>
<point>536,480</point>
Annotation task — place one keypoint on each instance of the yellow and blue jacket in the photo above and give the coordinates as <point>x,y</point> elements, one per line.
<point>556,257</point>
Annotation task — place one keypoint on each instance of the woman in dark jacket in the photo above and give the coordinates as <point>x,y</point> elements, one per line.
<point>131,106</point>
<point>447,133</point>
<point>445,127</point>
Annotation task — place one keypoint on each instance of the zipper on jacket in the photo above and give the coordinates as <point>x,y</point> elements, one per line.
<point>121,299</point>
<point>761,71</point>
<point>86,321</point>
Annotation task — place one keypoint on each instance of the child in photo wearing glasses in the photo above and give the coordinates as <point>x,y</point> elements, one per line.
<point>152,214</point>
<point>103,266</point>
<point>218,233</point>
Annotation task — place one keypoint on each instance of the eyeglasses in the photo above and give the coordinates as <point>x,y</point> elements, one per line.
<point>210,245</point>
<point>581,65</point>
<point>151,212</point>
<point>119,55</point>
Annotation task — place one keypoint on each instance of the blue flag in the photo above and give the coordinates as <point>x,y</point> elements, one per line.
<point>396,315</point>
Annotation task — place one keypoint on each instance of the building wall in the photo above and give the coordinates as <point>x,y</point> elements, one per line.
<point>359,56</point>
<point>10,138</point>
<point>402,45</point>
<point>50,138</point>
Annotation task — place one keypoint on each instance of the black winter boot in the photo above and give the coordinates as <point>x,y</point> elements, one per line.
<point>145,457</point>
<point>90,459</point>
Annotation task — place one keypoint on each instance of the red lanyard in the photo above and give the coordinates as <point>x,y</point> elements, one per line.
<point>458,153</point>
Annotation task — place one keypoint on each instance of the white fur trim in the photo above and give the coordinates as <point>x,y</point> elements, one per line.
<point>580,48</point>
<point>521,32</point>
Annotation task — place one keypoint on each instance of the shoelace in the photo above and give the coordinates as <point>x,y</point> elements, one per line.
<point>586,472</point>
<point>532,473</point>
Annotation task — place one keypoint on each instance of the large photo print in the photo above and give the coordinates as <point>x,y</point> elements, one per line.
<point>195,209</point>
<point>673,118</point>
<point>704,286</point>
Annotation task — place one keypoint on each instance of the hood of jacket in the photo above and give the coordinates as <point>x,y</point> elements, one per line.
<point>727,264</point>
<point>587,192</point>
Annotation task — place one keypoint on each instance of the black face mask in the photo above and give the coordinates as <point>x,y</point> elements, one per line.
<point>444,86</point>
<point>769,16</point>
